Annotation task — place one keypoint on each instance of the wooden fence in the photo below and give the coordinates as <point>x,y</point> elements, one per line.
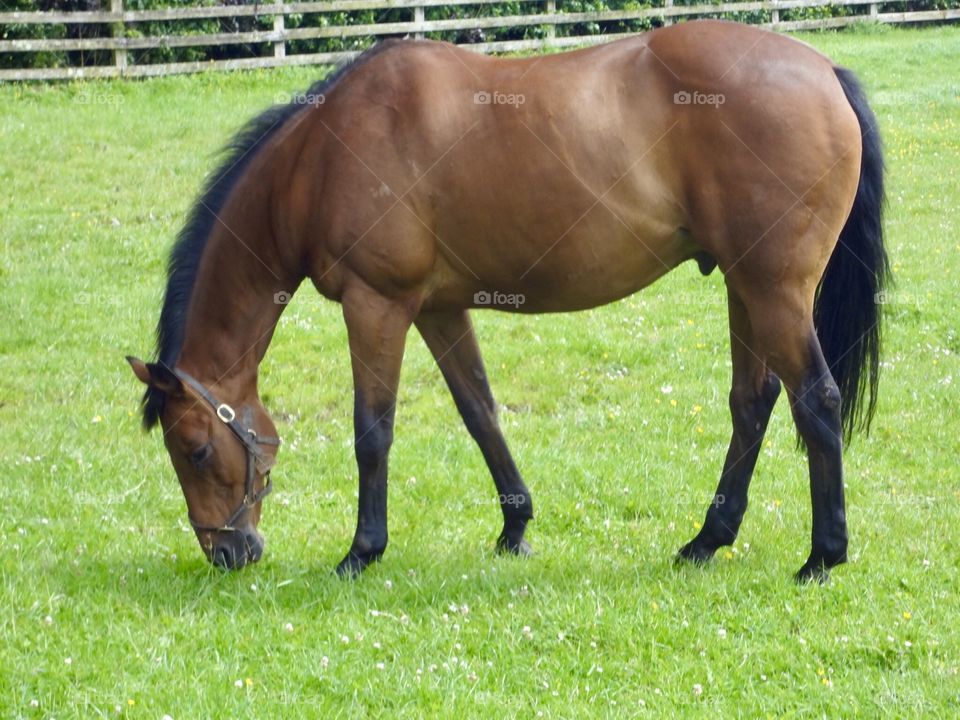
<point>545,14</point>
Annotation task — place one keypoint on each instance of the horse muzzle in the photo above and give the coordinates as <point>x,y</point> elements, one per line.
<point>234,550</point>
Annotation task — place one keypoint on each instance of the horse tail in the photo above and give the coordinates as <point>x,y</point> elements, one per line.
<point>847,308</point>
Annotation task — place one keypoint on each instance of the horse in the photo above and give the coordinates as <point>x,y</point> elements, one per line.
<point>422,181</point>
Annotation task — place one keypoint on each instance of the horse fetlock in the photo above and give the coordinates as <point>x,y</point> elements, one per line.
<point>369,544</point>
<point>825,555</point>
<point>517,507</point>
<point>723,521</point>
<point>830,552</point>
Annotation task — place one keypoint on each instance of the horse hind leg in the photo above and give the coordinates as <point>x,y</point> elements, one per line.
<point>783,324</point>
<point>815,403</point>
<point>754,391</point>
<point>453,343</point>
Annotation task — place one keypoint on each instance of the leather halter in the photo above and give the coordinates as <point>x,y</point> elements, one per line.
<point>256,458</point>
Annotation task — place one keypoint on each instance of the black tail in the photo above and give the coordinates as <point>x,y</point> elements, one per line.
<point>847,307</point>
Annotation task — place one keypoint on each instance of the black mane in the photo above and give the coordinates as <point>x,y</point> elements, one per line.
<point>187,251</point>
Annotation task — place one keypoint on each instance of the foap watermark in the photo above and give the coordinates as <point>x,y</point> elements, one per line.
<point>890,297</point>
<point>88,97</point>
<point>483,97</point>
<point>99,298</point>
<point>514,500</point>
<point>898,97</point>
<point>282,298</point>
<point>685,97</point>
<point>300,98</point>
<point>493,298</point>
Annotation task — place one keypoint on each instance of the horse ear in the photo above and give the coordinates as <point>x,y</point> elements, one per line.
<point>155,375</point>
<point>139,369</point>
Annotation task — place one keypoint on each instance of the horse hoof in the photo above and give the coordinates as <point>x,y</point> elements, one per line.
<point>508,546</point>
<point>354,564</point>
<point>694,553</point>
<point>812,572</point>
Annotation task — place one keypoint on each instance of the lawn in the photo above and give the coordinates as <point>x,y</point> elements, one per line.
<point>617,418</point>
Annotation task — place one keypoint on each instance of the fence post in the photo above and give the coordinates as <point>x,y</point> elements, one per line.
<point>418,20</point>
<point>873,11</point>
<point>550,8</point>
<point>775,14</point>
<point>279,46</point>
<point>667,20</point>
<point>119,54</point>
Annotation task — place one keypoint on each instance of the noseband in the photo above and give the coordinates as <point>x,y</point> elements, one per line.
<point>256,458</point>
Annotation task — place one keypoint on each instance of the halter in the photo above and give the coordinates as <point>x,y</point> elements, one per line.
<point>256,458</point>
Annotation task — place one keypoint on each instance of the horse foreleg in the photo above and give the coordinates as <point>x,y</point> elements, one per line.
<point>451,339</point>
<point>377,329</point>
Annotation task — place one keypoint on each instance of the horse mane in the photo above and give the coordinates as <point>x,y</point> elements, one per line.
<point>184,260</point>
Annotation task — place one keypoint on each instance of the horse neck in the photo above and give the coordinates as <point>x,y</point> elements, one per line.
<point>235,305</point>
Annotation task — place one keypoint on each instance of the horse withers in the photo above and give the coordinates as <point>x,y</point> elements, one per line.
<point>423,180</point>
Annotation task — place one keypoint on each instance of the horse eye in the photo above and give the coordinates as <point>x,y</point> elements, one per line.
<point>200,456</point>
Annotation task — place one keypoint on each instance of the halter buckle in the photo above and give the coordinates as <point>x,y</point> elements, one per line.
<point>226,413</point>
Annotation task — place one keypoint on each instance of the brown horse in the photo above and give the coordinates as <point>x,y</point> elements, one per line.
<point>423,180</point>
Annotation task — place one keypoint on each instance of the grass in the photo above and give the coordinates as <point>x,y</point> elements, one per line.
<point>617,418</point>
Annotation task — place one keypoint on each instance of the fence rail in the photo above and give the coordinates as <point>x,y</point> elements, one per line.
<point>545,15</point>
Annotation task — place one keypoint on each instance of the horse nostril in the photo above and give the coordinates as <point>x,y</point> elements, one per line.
<point>223,557</point>
<point>234,551</point>
<point>253,546</point>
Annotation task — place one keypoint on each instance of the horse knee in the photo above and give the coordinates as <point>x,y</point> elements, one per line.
<point>373,441</point>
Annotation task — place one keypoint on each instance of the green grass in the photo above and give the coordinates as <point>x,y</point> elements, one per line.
<point>106,601</point>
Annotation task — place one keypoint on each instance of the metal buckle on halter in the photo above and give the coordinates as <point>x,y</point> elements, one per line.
<point>226,413</point>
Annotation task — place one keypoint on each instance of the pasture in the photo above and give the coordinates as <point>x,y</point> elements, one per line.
<point>617,418</point>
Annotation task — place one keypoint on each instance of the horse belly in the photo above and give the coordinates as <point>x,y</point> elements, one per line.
<point>562,263</point>
<point>594,268</point>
